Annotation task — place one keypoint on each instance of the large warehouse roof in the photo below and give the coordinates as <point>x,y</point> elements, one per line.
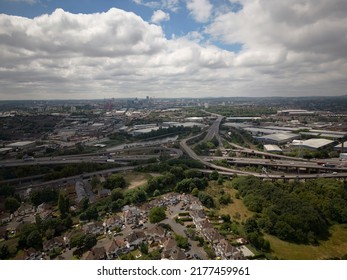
<point>21,144</point>
<point>272,148</point>
<point>278,137</point>
<point>314,143</point>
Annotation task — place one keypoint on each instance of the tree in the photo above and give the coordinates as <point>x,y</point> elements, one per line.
<point>11,204</point>
<point>85,203</point>
<point>63,204</point>
<point>7,191</point>
<point>77,240</point>
<point>135,196</point>
<point>89,241</point>
<point>38,221</point>
<point>95,182</point>
<point>144,248</point>
<point>206,199</point>
<point>34,240</point>
<point>116,194</point>
<point>4,252</point>
<point>182,242</point>
<point>157,214</point>
<point>115,181</point>
<point>214,175</point>
<point>251,225</point>
<point>192,173</point>
<point>25,232</point>
<point>156,193</point>
<point>225,199</point>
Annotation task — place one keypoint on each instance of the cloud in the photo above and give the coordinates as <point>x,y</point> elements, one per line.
<point>200,9</point>
<point>31,2</point>
<point>170,5</point>
<point>287,49</point>
<point>159,16</point>
<point>112,54</point>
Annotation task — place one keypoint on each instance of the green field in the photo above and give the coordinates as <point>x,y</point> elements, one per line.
<point>336,246</point>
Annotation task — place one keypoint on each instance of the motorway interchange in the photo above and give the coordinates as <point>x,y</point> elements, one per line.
<point>273,166</point>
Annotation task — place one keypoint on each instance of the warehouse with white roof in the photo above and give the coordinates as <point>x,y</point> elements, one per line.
<point>277,138</point>
<point>312,144</point>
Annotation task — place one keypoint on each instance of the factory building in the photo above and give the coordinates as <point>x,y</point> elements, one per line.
<point>277,138</point>
<point>312,144</point>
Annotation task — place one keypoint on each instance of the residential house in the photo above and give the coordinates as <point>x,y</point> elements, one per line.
<point>212,235</point>
<point>54,243</point>
<point>190,199</point>
<point>103,193</point>
<point>116,248</point>
<point>196,206</point>
<point>80,191</point>
<point>226,251</point>
<point>134,239</point>
<point>198,216</point>
<point>155,233</point>
<point>32,254</point>
<point>131,214</point>
<point>112,223</point>
<point>97,253</point>
<point>172,198</point>
<point>5,218</point>
<point>178,254</point>
<point>24,209</point>
<point>96,228</point>
<point>146,207</point>
<point>204,224</point>
<point>171,251</point>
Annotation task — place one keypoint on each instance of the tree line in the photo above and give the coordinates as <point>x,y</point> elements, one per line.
<point>299,212</point>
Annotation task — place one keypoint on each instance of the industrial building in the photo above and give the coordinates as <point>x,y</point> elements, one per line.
<point>312,144</point>
<point>295,112</point>
<point>243,118</point>
<point>144,130</point>
<point>340,149</point>
<point>277,138</point>
<point>272,148</point>
<point>22,145</point>
<point>326,133</point>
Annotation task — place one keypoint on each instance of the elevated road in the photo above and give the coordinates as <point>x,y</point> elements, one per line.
<point>230,171</point>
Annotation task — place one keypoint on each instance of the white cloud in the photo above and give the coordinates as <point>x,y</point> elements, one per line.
<point>200,9</point>
<point>159,16</point>
<point>288,49</point>
<point>171,5</point>
<point>26,1</point>
<point>112,54</point>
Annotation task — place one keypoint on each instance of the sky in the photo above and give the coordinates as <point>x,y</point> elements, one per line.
<point>94,49</point>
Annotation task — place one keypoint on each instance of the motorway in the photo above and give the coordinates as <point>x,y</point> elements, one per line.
<point>214,129</point>
<point>97,158</point>
<point>339,171</point>
<point>279,163</point>
<point>269,160</point>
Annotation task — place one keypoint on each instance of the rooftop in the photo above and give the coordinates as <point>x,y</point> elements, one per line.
<point>314,143</point>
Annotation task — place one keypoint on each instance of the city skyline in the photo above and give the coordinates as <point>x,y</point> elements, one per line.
<point>173,48</point>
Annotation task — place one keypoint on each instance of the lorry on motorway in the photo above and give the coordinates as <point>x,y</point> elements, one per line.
<point>110,160</point>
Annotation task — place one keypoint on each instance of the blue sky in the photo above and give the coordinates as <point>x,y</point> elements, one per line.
<point>89,48</point>
<point>180,24</point>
